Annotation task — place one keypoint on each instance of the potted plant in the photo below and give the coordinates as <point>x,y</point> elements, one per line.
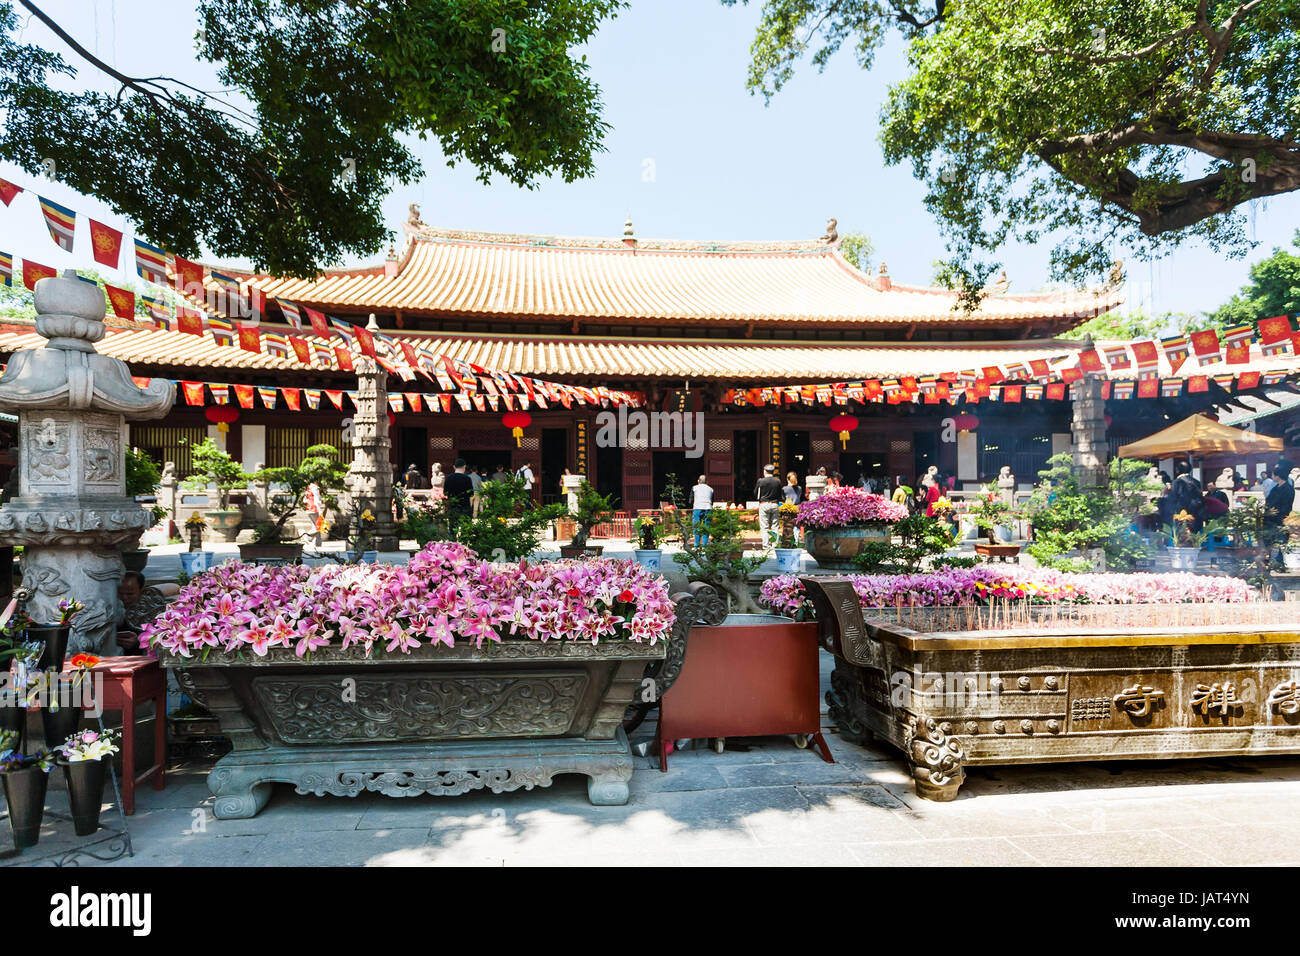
<point>24,779</point>
<point>719,560</point>
<point>591,509</point>
<point>84,757</point>
<point>1185,548</point>
<point>839,523</point>
<point>788,551</point>
<point>509,524</point>
<point>320,467</point>
<point>142,477</point>
<point>648,532</point>
<point>539,659</point>
<point>214,468</point>
<point>1291,549</point>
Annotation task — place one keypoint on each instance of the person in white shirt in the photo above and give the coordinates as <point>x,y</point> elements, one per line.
<point>525,474</point>
<point>701,510</point>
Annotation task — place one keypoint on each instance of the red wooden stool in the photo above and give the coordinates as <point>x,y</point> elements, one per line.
<point>127,683</point>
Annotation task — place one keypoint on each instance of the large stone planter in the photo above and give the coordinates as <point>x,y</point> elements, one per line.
<point>439,720</point>
<point>1121,689</point>
<point>835,548</point>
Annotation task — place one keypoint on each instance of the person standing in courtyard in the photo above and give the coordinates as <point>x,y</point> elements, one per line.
<point>701,510</point>
<point>769,496</point>
<point>459,488</point>
<point>1281,497</point>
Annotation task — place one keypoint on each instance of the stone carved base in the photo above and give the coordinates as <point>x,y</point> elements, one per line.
<point>935,758</point>
<point>241,781</point>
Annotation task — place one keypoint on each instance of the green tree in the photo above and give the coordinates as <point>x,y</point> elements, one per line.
<point>1135,324</point>
<point>213,467</point>
<point>1274,289</point>
<point>508,526</point>
<point>320,467</point>
<point>856,247</point>
<point>288,165</point>
<point>1141,122</point>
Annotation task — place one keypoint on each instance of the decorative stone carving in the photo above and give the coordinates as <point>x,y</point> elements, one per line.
<point>1215,699</point>
<point>396,707</point>
<point>71,513</point>
<point>935,758</point>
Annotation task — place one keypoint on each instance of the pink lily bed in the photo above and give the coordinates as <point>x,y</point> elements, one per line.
<point>444,595</point>
<point>980,586</point>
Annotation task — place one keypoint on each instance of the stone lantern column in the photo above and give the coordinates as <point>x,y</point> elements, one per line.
<point>71,514</point>
<point>370,476</point>
<point>1088,435</point>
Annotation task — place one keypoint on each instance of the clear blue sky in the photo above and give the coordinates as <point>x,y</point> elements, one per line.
<point>725,166</point>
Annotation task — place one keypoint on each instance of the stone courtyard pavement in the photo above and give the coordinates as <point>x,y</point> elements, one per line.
<point>763,802</point>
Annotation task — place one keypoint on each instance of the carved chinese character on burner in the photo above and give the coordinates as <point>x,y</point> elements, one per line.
<point>1139,700</point>
<point>1220,698</point>
<point>1090,708</point>
<point>1285,698</point>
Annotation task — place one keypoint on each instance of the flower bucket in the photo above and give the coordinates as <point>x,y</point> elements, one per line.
<point>55,638</point>
<point>195,562</point>
<point>787,559</point>
<point>11,715</point>
<point>1183,559</point>
<point>58,725</point>
<point>369,557</point>
<point>835,548</point>
<point>649,558</point>
<point>25,795</point>
<point>85,779</point>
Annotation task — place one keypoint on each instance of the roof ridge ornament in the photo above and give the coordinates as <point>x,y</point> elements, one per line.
<point>832,235</point>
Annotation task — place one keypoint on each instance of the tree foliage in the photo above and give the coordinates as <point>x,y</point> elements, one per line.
<point>509,524</point>
<point>289,163</point>
<point>1131,325</point>
<point>1274,289</point>
<point>857,248</point>
<point>1141,122</point>
<point>320,466</point>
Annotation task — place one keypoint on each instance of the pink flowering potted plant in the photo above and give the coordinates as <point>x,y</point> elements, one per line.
<point>838,524</point>
<point>446,674</point>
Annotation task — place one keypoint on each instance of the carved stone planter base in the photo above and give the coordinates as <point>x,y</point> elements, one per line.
<point>241,781</point>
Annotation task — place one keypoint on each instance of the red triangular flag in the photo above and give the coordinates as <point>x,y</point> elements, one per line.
<point>250,340</point>
<point>335,396</point>
<point>189,278</point>
<point>301,349</point>
<point>245,395</point>
<point>193,392</point>
<point>105,244</point>
<point>8,191</point>
<point>318,323</point>
<point>291,398</point>
<point>366,341</point>
<point>34,272</point>
<point>344,358</point>
<point>123,301</point>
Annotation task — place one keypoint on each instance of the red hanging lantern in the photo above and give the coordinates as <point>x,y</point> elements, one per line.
<point>392,419</point>
<point>517,422</point>
<point>221,416</point>
<point>965,422</point>
<point>843,424</point>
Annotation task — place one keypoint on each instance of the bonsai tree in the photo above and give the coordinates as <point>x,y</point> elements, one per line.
<point>649,533</point>
<point>591,509</point>
<point>720,561</point>
<point>213,466</point>
<point>990,511</point>
<point>320,467</point>
<point>1069,518</point>
<point>508,526</point>
<point>922,540</point>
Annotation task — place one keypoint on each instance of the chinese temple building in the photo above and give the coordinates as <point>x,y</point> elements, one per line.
<point>724,329</point>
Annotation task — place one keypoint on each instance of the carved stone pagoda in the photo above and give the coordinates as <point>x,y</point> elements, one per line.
<point>72,515</point>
